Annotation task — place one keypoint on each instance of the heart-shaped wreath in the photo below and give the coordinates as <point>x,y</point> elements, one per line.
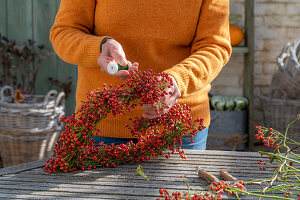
<point>77,150</point>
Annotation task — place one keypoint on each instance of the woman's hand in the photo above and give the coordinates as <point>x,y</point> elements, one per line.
<point>112,50</point>
<point>168,101</point>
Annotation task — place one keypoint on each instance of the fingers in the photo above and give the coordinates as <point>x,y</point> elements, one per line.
<point>151,111</point>
<point>122,74</point>
<point>150,116</point>
<point>112,50</point>
<point>134,67</point>
<point>171,98</point>
<point>168,100</point>
<point>103,62</point>
<point>175,87</point>
<point>118,55</point>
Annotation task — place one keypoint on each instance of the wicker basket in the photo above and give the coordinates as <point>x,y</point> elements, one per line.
<point>287,76</point>
<point>24,146</point>
<point>278,113</point>
<point>28,131</point>
<point>37,111</point>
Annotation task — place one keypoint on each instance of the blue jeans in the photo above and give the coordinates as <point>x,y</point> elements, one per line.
<point>199,141</point>
<point>199,144</point>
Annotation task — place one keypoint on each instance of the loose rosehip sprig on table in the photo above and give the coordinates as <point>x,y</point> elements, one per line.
<point>284,183</point>
<point>155,137</point>
<point>213,192</point>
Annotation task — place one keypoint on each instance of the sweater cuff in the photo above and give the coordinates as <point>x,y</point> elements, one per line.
<point>92,51</point>
<point>181,77</point>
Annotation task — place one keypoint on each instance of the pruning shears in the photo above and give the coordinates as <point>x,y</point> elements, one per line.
<point>211,178</point>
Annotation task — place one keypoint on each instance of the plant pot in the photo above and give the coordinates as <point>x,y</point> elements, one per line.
<point>228,130</point>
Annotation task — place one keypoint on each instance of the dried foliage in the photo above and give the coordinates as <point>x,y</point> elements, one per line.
<point>20,63</point>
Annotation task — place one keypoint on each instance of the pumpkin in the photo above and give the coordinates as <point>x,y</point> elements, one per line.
<point>237,35</point>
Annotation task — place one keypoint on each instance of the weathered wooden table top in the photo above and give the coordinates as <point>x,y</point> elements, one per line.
<point>29,181</point>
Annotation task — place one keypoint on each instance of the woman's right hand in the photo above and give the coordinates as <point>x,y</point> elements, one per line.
<point>112,50</point>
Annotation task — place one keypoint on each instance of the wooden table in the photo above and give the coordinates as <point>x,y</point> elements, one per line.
<point>29,181</point>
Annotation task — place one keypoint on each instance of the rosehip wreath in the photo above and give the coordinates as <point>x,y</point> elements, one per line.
<point>77,149</point>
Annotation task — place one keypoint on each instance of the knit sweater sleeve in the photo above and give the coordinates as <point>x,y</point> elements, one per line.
<point>71,34</point>
<point>210,49</point>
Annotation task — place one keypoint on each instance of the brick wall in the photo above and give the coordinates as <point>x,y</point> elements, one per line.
<point>276,23</point>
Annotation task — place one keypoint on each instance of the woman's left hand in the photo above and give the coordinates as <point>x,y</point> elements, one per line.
<point>168,101</point>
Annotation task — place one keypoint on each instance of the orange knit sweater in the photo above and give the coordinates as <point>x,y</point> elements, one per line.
<point>188,39</point>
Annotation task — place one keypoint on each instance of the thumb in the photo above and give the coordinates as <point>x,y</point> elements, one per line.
<point>119,56</point>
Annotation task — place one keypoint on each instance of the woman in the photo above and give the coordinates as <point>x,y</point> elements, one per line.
<point>187,39</point>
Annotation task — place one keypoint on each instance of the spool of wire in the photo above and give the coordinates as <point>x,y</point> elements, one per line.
<point>114,67</point>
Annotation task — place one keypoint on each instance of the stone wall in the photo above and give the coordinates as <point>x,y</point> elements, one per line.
<point>276,23</point>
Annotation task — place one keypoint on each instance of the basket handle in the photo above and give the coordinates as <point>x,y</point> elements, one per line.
<point>60,99</point>
<point>281,91</point>
<point>47,97</point>
<point>295,53</point>
<point>3,97</point>
<point>283,56</point>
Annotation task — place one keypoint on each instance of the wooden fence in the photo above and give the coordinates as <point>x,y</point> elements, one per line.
<point>21,20</point>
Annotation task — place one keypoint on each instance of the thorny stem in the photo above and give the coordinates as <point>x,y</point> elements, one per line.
<point>286,131</point>
<point>283,160</point>
<point>280,156</point>
<point>275,177</point>
<point>261,195</point>
<point>285,179</point>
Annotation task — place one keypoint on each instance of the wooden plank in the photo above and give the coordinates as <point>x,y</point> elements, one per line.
<point>66,70</point>
<point>21,167</point>
<point>19,28</point>
<point>180,166</point>
<point>19,18</point>
<point>223,153</point>
<point>123,172</point>
<point>135,181</point>
<point>91,190</point>
<point>74,190</point>
<point>195,157</point>
<point>158,175</point>
<point>44,13</point>
<point>241,50</point>
<point>20,194</point>
<point>3,17</point>
<point>104,189</point>
<point>183,166</point>
<point>243,161</point>
<point>248,85</point>
<point>60,195</point>
<point>117,176</point>
<point>237,161</point>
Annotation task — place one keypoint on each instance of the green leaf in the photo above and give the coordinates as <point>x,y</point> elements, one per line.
<point>140,171</point>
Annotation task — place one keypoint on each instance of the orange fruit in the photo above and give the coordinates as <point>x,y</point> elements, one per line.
<point>237,35</point>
